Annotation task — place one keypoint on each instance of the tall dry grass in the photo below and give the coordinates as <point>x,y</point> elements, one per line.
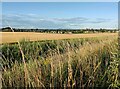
<point>80,63</point>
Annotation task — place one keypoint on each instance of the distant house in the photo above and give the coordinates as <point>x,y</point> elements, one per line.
<point>69,32</point>
<point>86,32</point>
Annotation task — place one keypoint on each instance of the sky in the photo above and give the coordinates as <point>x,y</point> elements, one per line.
<point>56,15</point>
<point>60,0</point>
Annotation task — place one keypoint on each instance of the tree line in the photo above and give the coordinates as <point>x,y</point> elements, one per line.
<point>60,31</point>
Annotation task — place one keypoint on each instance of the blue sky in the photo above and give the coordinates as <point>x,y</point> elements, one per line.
<point>60,14</point>
<point>60,0</point>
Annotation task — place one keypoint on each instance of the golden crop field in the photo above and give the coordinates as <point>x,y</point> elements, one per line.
<point>91,61</point>
<point>11,37</point>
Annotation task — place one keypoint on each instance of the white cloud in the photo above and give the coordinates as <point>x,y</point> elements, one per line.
<point>35,21</point>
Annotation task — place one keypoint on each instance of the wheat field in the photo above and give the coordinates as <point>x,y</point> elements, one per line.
<point>11,37</point>
<point>75,63</point>
<point>90,61</point>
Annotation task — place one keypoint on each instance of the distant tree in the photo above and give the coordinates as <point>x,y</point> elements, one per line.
<point>102,30</point>
<point>6,29</point>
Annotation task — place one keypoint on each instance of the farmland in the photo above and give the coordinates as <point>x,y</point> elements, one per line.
<point>11,37</point>
<point>60,60</point>
<point>60,45</point>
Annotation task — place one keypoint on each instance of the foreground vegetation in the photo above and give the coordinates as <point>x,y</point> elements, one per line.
<point>83,63</point>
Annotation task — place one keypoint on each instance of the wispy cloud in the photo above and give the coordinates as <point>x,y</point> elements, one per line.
<point>82,20</point>
<point>71,20</point>
<point>100,20</point>
<point>36,21</point>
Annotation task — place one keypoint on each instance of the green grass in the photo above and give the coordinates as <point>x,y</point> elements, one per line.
<point>89,62</point>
